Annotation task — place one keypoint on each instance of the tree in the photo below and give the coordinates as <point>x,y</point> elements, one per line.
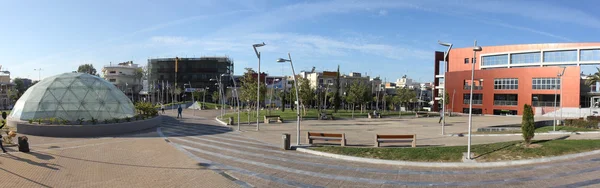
<point>87,68</point>
<point>248,88</point>
<point>405,96</point>
<point>358,93</point>
<point>592,79</point>
<point>216,97</point>
<point>306,94</point>
<point>336,94</point>
<point>19,86</point>
<point>528,124</point>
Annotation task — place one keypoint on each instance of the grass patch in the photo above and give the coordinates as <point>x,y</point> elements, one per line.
<point>289,115</point>
<point>501,151</point>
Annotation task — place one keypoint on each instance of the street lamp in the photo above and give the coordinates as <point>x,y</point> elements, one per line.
<point>281,60</point>
<point>203,98</point>
<point>238,100</point>
<point>449,45</point>
<point>475,50</point>
<point>559,75</point>
<point>272,91</point>
<point>258,82</point>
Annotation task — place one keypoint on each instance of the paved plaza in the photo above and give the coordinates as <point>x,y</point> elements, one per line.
<point>199,152</point>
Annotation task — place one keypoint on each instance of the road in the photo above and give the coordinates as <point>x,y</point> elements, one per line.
<point>253,163</point>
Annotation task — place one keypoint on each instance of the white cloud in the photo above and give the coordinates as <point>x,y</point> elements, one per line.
<point>383,12</point>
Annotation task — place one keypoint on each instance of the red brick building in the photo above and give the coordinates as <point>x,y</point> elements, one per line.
<point>507,77</point>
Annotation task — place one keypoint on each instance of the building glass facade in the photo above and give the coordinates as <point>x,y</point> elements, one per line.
<point>506,83</point>
<point>560,56</point>
<point>590,55</point>
<point>495,60</point>
<point>524,58</point>
<point>545,83</point>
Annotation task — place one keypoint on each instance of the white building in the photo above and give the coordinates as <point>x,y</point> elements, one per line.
<point>124,76</point>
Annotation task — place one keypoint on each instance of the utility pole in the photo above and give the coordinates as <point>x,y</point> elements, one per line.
<point>39,74</point>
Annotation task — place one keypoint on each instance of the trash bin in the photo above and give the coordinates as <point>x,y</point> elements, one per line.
<point>286,141</point>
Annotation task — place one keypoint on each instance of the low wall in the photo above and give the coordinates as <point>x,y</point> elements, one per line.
<point>84,130</point>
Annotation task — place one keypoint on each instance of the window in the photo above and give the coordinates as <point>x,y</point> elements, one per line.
<point>545,83</point>
<point>112,80</point>
<point>506,83</point>
<point>495,60</point>
<point>477,98</point>
<point>506,99</point>
<point>524,58</point>
<point>560,56</point>
<point>466,60</point>
<point>475,110</point>
<point>474,60</point>
<point>112,72</point>
<point>590,55</point>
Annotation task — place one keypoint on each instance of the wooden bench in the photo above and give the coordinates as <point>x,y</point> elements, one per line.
<point>326,116</point>
<point>327,137</point>
<point>396,139</point>
<point>371,115</point>
<point>268,119</point>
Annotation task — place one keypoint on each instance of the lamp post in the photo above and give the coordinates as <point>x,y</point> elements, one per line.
<point>271,97</point>
<point>39,74</point>
<point>257,83</point>
<point>475,50</point>
<point>281,60</point>
<point>561,92</point>
<point>238,100</point>
<point>449,45</point>
<point>203,98</point>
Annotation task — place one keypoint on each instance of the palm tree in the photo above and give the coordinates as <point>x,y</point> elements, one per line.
<point>592,79</point>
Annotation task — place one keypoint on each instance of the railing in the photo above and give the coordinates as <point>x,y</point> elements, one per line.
<point>543,103</point>
<point>474,87</point>
<point>505,103</point>
<point>466,101</point>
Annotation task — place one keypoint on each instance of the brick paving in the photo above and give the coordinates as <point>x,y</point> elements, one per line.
<point>254,157</point>
<point>136,160</point>
<point>196,151</point>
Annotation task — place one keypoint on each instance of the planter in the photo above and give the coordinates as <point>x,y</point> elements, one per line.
<point>97,130</point>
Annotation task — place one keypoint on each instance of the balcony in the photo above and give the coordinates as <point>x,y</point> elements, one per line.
<point>466,101</point>
<point>474,87</point>
<point>505,103</point>
<point>544,103</point>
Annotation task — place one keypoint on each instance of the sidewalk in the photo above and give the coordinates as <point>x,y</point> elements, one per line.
<point>141,160</point>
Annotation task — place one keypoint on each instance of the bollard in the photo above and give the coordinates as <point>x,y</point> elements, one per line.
<point>285,141</point>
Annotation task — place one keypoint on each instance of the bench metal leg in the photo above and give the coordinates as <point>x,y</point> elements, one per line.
<point>414,142</point>
<point>376,142</point>
<point>343,139</point>
<point>308,138</point>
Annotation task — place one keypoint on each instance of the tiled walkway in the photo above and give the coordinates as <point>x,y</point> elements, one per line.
<point>261,164</point>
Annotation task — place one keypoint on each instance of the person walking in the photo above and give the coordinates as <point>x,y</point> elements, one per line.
<point>179,110</point>
<point>1,146</point>
<point>162,108</point>
<point>441,116</point>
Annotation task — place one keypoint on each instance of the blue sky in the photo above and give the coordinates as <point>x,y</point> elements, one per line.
<point>385,38</point>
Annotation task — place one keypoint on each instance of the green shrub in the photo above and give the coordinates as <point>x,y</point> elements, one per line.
<point>39,121</point>
<point>146,108</point>
<point>116,120</point>
<point>30,121</point>
<point>106,121</point>
<point>64,121</point>
<point>128,119</point>
<point>579,123</point>
<point>528,124</point>
<point>94,121</point>
<point>593,118</point>
<point>80,121</point>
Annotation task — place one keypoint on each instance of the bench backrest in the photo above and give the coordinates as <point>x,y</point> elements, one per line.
<point>272,116</point>
<point>324,134</point>
<point>411,136</point>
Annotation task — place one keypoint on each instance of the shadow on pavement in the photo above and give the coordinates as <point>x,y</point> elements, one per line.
<point>31,162</point>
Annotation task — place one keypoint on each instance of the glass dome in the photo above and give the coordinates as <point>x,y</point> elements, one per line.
<point>72,96</point>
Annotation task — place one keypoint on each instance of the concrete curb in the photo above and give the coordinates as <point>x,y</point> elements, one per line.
<point>220,122</point>
<point>518,134</point>
<point>449,164</point>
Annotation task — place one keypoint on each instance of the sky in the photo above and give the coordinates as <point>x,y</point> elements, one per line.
<point>378,38</point>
